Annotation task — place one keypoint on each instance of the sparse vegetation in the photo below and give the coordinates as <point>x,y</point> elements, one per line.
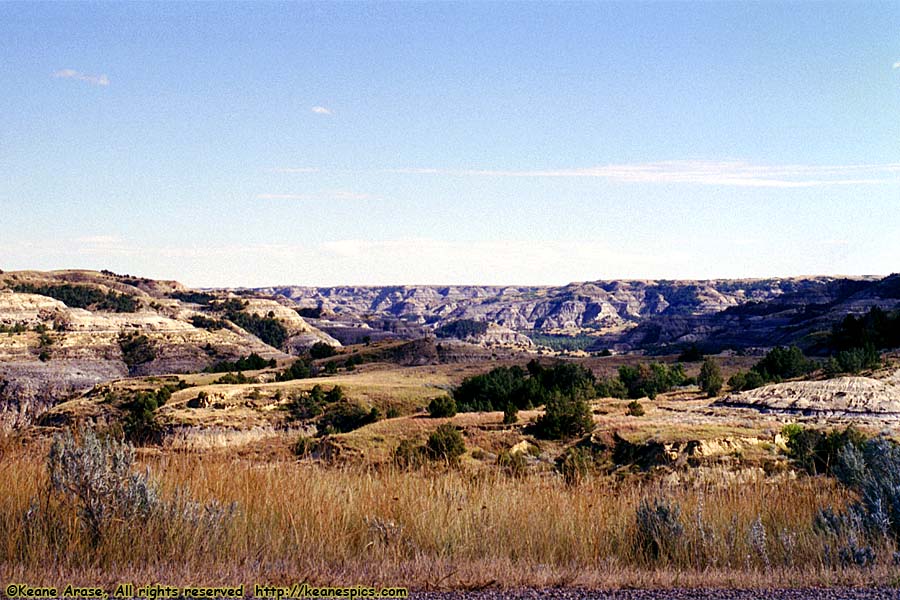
<point>137,349</point>
<point>778,364</point>
<point>462,329</point>
<point>193,297</point>
<point>321,350</point>
<point>206,323</point>
<point>299,369</point>
<point>82,296</point>
<point>252,362</point>
<point>649,380</point>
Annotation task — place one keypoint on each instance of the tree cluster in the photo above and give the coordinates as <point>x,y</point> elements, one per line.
<point>82,296</point>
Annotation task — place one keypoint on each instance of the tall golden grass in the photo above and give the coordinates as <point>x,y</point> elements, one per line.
<point>299,520</point>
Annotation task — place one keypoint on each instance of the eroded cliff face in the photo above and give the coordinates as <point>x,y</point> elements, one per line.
<point>668,310</point>
<point>50,351</point>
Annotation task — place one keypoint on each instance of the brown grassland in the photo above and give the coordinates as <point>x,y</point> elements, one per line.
<point>266,515</point>
<point>428,529</point>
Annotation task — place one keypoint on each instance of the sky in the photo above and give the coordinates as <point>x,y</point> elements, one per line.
<point>229,144</point>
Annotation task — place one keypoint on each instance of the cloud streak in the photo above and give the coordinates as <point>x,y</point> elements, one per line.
<point>321,110</point>
<point>897,65</point>
<point>328,195</point>
<point>294,170</point>
<point>699,172</point>
<point>101,80</point>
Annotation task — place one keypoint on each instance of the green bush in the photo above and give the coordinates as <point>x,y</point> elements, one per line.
<point>202,322</point>
<point>136,349</point>
<point>853,361</point>
<point>496,389</point>
<point>443,406</point>
<point>445,444</point>
<point>649,380</point>
<point>462,329</point>
<point>300,369</point>
<point>511,414</point>
<point>635,409</point>
<point>268,329</point>
<point>409,455</point>
<point>564,417</point>
<point>252,362</point>
<point>710,379</point>
<point>344,416</point>
<point>82,296</point>
<point>690,354</point>
<point>234,379</point>
<point>783,363</point>
<point>817,451</point>
<point>321,350</point>
<point>304,446</point>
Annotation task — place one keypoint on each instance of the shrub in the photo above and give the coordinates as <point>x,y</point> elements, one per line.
<point>816,451</point>
<point>872,469</point>
<point>513,464</point>
<point>745,380</point>
<point>96,477</point>
<point>252,362</point>
<point>409,455</point>
<point>564,417</point>
<point>300,369</point>
<point>202,322</point>
<point>853,361</point>
<point>321,350</point>
<point>659,530</point>
<point>650,380</point>
<point>234,379</point>
<point>445,444</point>
<point>341,417</point>
<point>710,379</point>
<point>139,425</point>
<point>82,296</point>
<point>496,389</point>
<point>574,465</point>
<point>635,409</point>
<point>443,406</point>
<point>511,414</point>
<point>462,329</point>
<point>783,363</point>
<point>304,446</point>
<point>136,349</point>
<point>203,298</point>
<point>268,329</point>
<point>308,404</point>
<point>691,354</point>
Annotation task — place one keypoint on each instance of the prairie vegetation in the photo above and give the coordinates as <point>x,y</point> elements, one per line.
<point>226,519</point>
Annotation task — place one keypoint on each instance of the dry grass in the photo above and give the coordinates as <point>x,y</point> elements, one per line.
<point>433,528</point>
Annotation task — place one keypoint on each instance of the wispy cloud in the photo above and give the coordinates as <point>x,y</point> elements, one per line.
<point>698,172</point>
<point>326,195</point>
<point>102,80</point>
<point>294,170</point>
<point>321,110</point>
<point>897,65</point>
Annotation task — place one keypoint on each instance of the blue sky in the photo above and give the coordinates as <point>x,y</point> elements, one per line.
<point>506,143</point>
